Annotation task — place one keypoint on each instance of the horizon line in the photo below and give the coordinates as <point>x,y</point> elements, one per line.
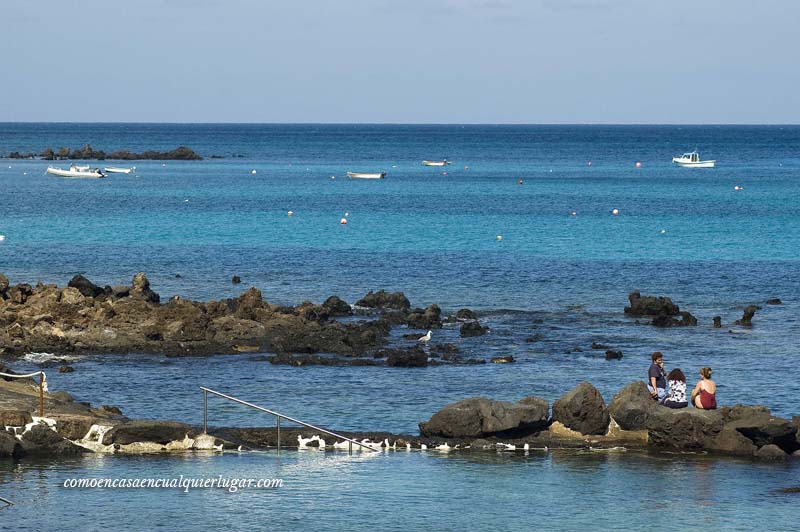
<point>690,124</point>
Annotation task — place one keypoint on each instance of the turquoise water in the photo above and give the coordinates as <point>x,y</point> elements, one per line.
<point>433,236</point>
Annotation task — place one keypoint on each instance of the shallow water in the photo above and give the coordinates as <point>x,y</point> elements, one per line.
<point>409,491</point>
<point>563,278</point>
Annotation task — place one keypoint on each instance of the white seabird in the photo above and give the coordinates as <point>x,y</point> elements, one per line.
<point>425,339</point>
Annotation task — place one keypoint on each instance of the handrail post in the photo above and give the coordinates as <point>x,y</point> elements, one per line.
<point>41,394</point>
<point>279,432</point>
<point>350,447</point>
<point>205,412</point>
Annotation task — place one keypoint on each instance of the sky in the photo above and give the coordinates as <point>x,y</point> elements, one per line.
<point>401,61</point>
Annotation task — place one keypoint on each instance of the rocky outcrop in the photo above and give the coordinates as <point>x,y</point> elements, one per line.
<point>747,316</point>
<point>740,430</point>
<point>428,318</point>
<point>582,409</point>
<point>662,309</point>
<point>631,407</point>
<point>15,418</point>
<point>479,417</point>
<point>41,440</point>
<point>385,300</point>
<point>466,314</point>
<point>83,317</point>
<point>406,358</point>
<point>472,328</point>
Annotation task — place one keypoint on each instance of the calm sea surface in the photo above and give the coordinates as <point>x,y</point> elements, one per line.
<point>682,233</point>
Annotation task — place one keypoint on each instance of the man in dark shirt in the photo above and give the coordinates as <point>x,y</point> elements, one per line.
<point>656,377</point>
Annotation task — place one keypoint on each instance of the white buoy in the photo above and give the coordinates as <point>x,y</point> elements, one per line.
<point>638,164</point>
<point>163,164</point>
<point>253,171</point>
<point>186,200</point>
<point>333,177</point>
<point>615,212</point>
<point>2,238</point>
<point>343,221</point>
<point>737,187</point>
<point>346,214</point>
<point>663,231</point>
<point>290,213</point>
<point>573,213</point>
<point>498,237</point>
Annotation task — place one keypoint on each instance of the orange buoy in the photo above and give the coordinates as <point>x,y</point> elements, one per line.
<point>343,221</point>
<point>638,164</point>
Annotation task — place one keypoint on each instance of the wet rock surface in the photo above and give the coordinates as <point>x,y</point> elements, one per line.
<point>479,417</point>
<point>582,409</point>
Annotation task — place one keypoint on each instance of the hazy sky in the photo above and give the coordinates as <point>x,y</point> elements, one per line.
<point>438,61</point>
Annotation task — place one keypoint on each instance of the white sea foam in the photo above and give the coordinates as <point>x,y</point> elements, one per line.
<point>42,358</point>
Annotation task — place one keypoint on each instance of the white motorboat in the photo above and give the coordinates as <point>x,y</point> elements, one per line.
<point>443,162</point>
<point>74,171</point>
<point>366,175</point>
<point>692,160</point>
<point>116,170</point>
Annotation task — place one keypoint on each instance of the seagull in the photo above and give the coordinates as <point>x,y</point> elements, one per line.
<point>425,339</point>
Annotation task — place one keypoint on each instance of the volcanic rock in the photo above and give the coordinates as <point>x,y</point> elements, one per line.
<point>478,417</point>
<point>582,409</point>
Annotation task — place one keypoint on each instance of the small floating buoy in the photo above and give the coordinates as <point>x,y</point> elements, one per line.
<point>737,187</point>
<point>519,182</point>
<point>2,238</point>
<point>343,221</point>
<point>290,213</point>
<point>573,213</point>
<point>24,173</point>
<point>163,164</point>
<point>346,214</point>
<point>589,163</point>
<point>186,200</point>
<point>253,171</point>
<point>638,164</point>
<point>333,177</point>
<point>466,168</point>
<point>615,212</point>
<point>444,173</point>
<point>498,237</point>
<point>663,231</point>
<point>394,166</point>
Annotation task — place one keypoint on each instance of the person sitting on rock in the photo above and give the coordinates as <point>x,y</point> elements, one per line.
<point>676,398</point>
<point>656,381</point>
<point>704,395</point>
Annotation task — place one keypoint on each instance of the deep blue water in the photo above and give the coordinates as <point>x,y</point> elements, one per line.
<point>433,236</point>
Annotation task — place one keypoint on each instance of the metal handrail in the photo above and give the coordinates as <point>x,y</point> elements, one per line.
<point>42,380</point>
<point>278,415</point>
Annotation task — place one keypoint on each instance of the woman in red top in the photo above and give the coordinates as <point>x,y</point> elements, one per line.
<point>704,394</point>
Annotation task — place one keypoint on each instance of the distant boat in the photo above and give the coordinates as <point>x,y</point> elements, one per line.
<point>443,162</point>
<point>366,175</point>
<point>115,170</point>
<point>692,160</point>
<point>75,171</point>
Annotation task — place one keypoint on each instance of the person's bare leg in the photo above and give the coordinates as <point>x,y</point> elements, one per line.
<point>697,402</point>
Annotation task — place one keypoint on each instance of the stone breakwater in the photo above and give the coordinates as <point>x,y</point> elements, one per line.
<point>85,318</point>
<point>580,419</point>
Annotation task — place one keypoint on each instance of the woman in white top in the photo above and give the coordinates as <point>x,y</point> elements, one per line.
<point>676,397</point>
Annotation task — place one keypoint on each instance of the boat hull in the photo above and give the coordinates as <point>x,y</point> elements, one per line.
<point>75,173</point>
<point>695,164</point>
<point>435,163</point>
<point>362,175</point>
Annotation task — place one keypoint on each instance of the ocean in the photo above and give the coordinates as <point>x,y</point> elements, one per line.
<point>553,283</point>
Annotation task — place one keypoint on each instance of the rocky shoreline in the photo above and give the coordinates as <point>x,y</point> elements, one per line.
<point>84,318</point>
<point>579,420</point>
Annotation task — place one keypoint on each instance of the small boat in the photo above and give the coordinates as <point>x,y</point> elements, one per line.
<point>692,160</point>
<point>443,162</point>
<point>115,170</point>
<point>366,175</point>
<point>75,171</point>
